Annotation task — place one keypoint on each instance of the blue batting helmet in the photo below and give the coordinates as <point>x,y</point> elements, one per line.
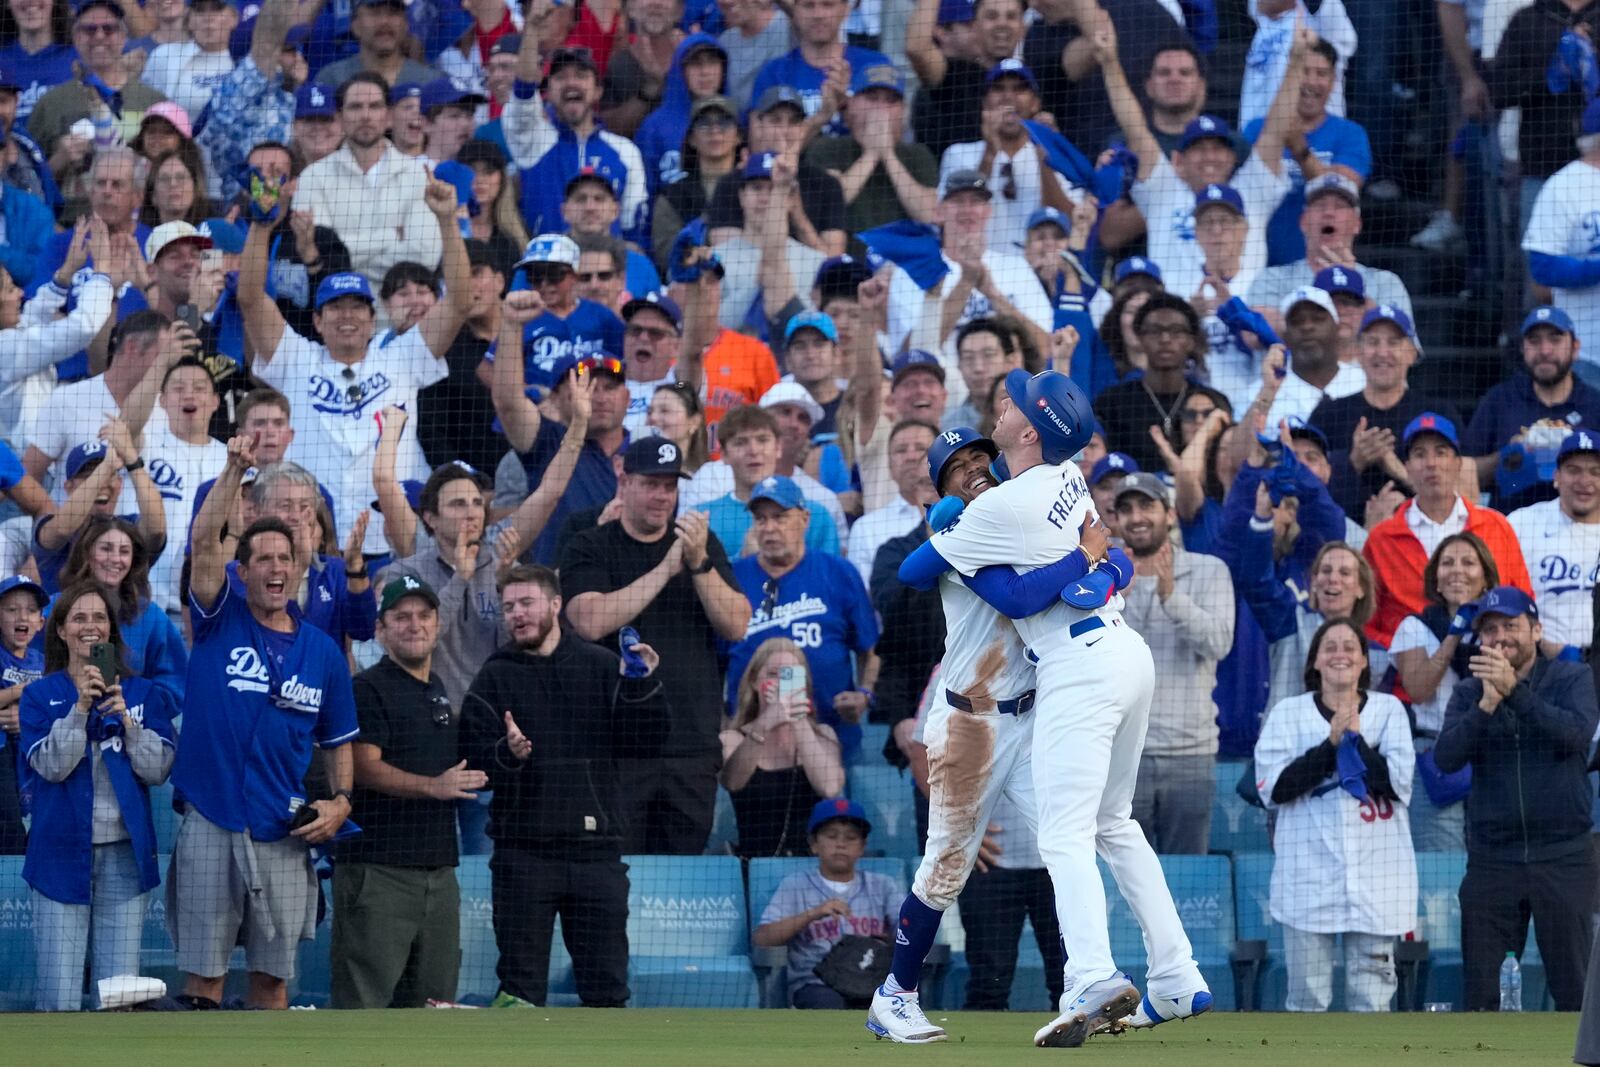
<point>1056,408</point>
<point>948,443</point>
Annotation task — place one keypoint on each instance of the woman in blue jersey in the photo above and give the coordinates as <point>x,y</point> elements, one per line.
<point>111,552</point>
<point>94,746</point>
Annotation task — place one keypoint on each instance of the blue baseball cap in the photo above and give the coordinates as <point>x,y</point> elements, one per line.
<point>877,76</point>
<point>22,581</point>
<point>442,92</point>
<point>1336,280</point>
<point>313,100</point>
<point>413,491</point>
<point>1391,314</point>
<point>656,301</point>
<point>1203,128</point>
<point>344,283</point>
<point>83,455</point>
<point>1014,67</point>
<point>811,320</point>
<point>1301,430</point>
<point>833,808</point>
<point>1505,600</point>
<point>1135,265</point>
<point>80,6</point>
<point>841,275</point>
<point>406,91</point>
<point>1219,196</point>
<point>461,176</point>
<point>913,360</point>
<point>759,165</point>
<point>1548,316</point>
<point>1054,216</point>
<point>778,489</point>
<point>1429,422</point>
<point>1331,181</point>
<point>1576,442</point>
<point>224,235</point>
<point>1112,463</point>
<point>598,363</point>
<point>957,12</point>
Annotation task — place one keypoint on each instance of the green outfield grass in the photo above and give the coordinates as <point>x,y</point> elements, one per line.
<point>664,1038</point>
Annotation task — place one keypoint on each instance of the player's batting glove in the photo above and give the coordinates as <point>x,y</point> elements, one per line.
<point>1461,624</point>
<point>1091,591</point>
<point>945,512</point>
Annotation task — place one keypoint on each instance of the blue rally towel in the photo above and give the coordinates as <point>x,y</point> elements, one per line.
<point>1061,154</point>
<point>1574,66</point>
<point>1352,768</point>
<point>911,246</point>
<point>1237,316</point>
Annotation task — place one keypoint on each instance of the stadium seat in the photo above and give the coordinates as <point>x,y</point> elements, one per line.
<point>472,821</point>
<point>885,793</point>
<point>16,937</point>
<point>765,874</point>
<point>874,735</point>
<point>313,972</point>
<point>724,826</point>
<point>166,820</point>
<point>1202,887</point>
<point>688,942</point>
<point>1252,882</point>
<point>1235,825</point>
<point>1439,877</point>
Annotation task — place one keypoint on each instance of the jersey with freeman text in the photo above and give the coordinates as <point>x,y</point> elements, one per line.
<point>823,607</point>
<point>256,702</point>
<point>1028,522</point>
<point>1563,559</point>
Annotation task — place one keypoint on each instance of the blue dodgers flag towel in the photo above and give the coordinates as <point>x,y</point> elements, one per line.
<point>1352,768</point>
<point>1237,316</point>
<point>911,246</point>
<point>1061,154</point>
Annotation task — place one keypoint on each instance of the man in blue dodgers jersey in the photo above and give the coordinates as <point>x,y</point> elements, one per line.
<point>1095,680</point>
<point>22,601</point>
<point>568,324</point>
<point>263,688</point>
<point>1560,542</point>
<point>337,387</point>
<point>819,66</point>
<point>816,599</point>
<point>550,147</point>
<point>978,729</point>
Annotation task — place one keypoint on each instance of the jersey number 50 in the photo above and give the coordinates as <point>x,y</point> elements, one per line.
<point>807,634</point>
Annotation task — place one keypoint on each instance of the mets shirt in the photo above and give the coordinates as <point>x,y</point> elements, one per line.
<point>334,406</point>
<point>874,901</point>
<point>256,702</point>
<point>1563,557</point>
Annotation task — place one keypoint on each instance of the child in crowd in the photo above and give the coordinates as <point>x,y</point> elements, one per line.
<point>22,602</point>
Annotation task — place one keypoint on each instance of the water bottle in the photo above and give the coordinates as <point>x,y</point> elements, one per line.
<point>1510,983</point>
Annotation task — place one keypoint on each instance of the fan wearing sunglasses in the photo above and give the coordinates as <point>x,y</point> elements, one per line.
<point>1022,181</point>
<point>396,940</point>
<point>338,385</point>
<point>566,325</point>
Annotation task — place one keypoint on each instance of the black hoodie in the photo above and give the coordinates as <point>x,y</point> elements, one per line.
<point>582,716</point>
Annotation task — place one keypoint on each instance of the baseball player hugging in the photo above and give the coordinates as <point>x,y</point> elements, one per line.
<point>1094,678</point>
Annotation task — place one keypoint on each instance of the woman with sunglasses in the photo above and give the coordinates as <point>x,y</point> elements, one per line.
<point>675,413</point>
<point>710,151</point>
<point>94,746</point>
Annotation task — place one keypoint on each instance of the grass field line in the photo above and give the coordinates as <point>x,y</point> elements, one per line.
<point>672,1037</point>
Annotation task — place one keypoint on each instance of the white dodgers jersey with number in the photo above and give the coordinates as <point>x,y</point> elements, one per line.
<point>1563,559</point>
<point>1028,522</point>
<point>1343,863</point>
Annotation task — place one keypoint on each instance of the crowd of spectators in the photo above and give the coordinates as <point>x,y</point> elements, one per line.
<point>534,398</point>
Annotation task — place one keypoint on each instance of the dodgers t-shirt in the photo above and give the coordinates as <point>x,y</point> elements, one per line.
<point>256,703</point>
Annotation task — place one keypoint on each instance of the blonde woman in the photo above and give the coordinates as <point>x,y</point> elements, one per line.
<point>777,760</point>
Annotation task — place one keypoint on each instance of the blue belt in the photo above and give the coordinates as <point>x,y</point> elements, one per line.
<point>1077,629</point>
<point>1019,706</point>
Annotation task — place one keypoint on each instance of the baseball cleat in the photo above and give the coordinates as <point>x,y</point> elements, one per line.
<point>898,1017</point>
<point>1099,1008</point>
<point>1153,1011</point>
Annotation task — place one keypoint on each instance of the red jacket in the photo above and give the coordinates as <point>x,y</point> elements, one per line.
<point>1397,562</point>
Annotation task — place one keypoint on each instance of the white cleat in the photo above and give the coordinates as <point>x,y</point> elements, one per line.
<point>1153,1011</point>
<point>1099,1008</point>
<point>898,1017</point>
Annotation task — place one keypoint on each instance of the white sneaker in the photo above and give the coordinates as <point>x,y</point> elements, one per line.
<point>1153,1011</point>
<point>1098,1008</point>
<point>1441,233</point>
<point>898,1017</point>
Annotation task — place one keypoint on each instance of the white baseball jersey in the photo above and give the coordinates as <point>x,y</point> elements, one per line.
<point>1167,204</point>
<point>177,468</point>
<point>1563,559</point>
<point>1343,864</point>
<point>1028,522</point>
<point>1566,222</point>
